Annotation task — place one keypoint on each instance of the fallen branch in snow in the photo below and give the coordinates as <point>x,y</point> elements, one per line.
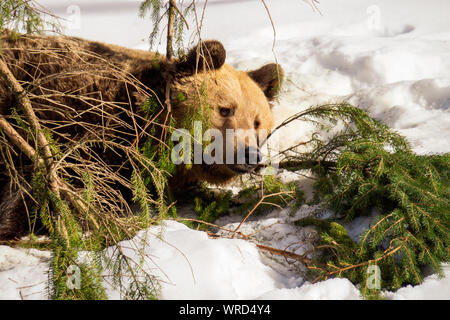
<point>211,225</point>
<point>339,271</point>
<point>367,165</point>
<point>260,202</point>
<point>287,254</point>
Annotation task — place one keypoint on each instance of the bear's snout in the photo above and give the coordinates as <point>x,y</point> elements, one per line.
<point>250,160</point>
<point>252,157</point>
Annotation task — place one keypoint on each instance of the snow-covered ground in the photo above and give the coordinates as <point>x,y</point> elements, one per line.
<point>189,265</point>
<point>391,58</point>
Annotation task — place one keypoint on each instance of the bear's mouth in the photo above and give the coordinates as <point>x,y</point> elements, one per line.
<point>242,168</point>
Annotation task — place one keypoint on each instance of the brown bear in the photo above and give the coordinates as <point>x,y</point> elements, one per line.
<point>48,66</point>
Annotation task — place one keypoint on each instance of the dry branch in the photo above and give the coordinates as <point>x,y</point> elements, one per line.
<point>95,190</point>
<point>17,139</point>
<point>24,102</point>
<point>286,254</point>
<point>61,186</point>
<point>261,201</point>
<point>57,186</point>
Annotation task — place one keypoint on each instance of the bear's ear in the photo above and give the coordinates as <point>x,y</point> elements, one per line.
<point>207,55</point>
<point>268,78</point>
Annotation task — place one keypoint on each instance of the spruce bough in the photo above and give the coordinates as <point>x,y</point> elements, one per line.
<point>374,167</point>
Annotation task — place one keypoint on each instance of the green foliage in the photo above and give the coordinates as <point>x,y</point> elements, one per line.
<point>181,97</point>
<point>67,243</point>
<point>23,16</point>
<point>66,234</point>
<point>362,166</point>
<point>156,165</point>
<point>278,194</point>
<point>209,205</point>
<point>41,210</point>
<point>329,230</point>
<point>155,7</point>
<point>374,167</point>
<point>150,106</point>
<point>140,285</point>
<point>158,11</point>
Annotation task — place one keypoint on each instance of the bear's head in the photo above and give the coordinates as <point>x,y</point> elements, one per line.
<point>234,105</point>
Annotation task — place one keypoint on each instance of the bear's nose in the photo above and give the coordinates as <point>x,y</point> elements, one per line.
<point>252,156</point>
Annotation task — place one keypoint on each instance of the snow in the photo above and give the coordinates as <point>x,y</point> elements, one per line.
<point>191,266</point>
<point>391,58</point>
<point>371,53</point>
<point>23,273</point>
<point>333,289</point>
<point>431,289</point>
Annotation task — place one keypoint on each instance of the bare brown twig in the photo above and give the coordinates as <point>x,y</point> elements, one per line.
<point>261,201</point>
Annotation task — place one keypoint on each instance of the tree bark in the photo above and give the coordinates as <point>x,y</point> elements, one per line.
<point>171,18</point>
<point>169,48</point>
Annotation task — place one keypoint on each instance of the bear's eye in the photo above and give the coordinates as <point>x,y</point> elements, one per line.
<point>225,112</point>
<point>257,124</point>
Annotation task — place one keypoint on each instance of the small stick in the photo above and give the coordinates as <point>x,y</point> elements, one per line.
<point>173,3</point>
<point>17,139</point>
<point>211,225</point>
<point>256,206</point>
<point>286,254</point>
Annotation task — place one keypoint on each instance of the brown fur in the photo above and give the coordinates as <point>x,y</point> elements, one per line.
<point>226,87</point>
<point>78,67</point>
